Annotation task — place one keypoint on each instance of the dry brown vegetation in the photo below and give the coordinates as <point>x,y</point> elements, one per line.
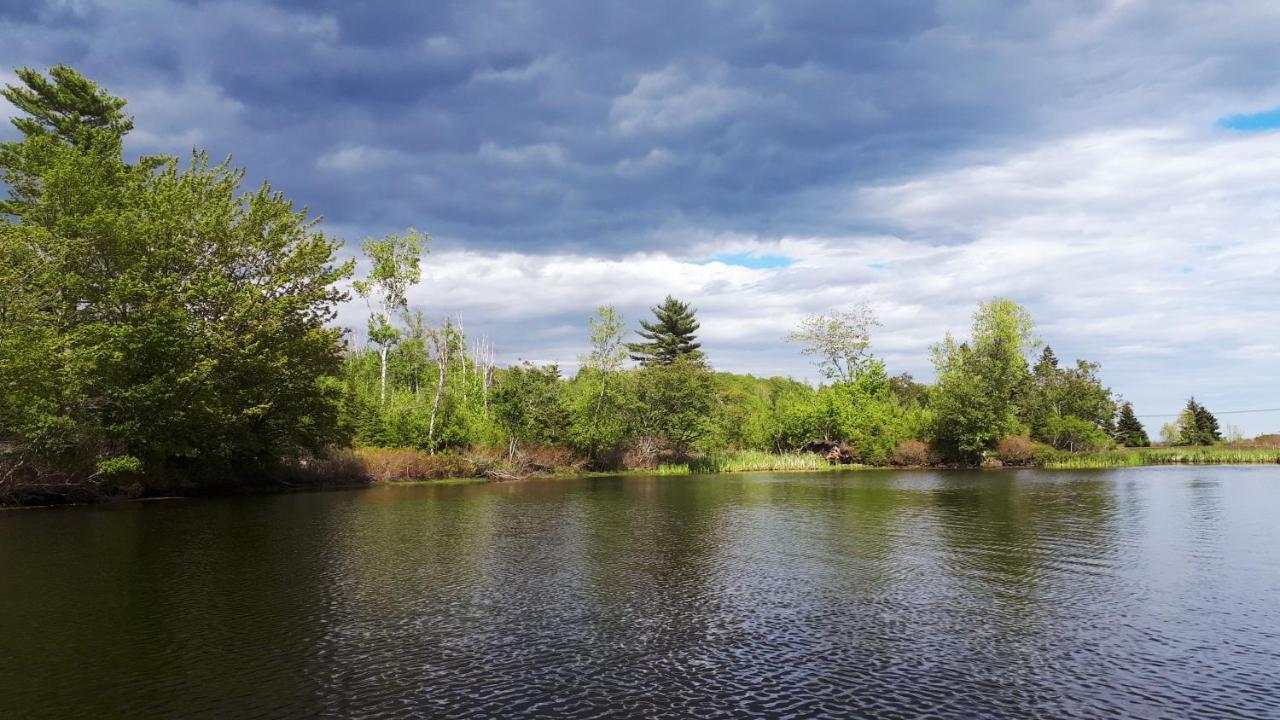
<point>913,453</point>
<point>1016,450</point>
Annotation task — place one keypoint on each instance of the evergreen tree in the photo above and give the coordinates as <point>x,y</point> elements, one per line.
<point>1047,365</point>
<point>1129,431</point>
<point>64,110</point>
<point>670,338</point>
<point>1198,426</point>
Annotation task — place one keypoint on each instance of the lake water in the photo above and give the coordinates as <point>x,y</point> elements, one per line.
<point>1146,592</point>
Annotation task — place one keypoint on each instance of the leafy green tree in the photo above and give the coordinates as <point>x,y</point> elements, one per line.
<point>762,413</point>
<point>839,341</point>
<point>982,383</point>
<point>869,418</point>
<point>35,389</point>
<point>1069,432</point>
<point>1129,430</point>
<point>180,321</point>
<point>608,350</point>
<point>395,265</point>
<point>529,406</point>
<point>596,393</point>
<point>670,338</point>
<point>1075,392</point>
<point>908,392</point>
<point>670,405</point>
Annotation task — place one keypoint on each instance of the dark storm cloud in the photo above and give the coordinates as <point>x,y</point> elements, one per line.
<point>610,126</point>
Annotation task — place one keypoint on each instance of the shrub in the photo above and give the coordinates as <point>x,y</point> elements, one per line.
<point>400,464</point>
<point>1015,450</point>
<point>118,466</point>
<point>912,453</point>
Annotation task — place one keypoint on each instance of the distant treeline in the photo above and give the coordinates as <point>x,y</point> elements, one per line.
<point>162,328</point>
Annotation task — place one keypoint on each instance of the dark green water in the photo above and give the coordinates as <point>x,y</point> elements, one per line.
<point>1137,592</point>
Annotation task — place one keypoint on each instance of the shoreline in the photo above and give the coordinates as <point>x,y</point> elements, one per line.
<point>1107,460</point>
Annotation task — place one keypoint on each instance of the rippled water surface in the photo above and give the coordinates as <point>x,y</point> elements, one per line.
<point>1137,592</point>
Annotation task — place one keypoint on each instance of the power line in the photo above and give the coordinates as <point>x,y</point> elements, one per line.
<point>1219,412</point>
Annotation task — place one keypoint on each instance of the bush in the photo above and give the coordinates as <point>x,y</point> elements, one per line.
<point>913,453</point>
<point>1016,450</point>
<point>118,466</point>
<point>401,464</point>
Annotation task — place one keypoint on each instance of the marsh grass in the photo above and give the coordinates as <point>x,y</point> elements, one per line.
<point>672,469</point>
<point>758,460</point>
<point>1136,457</point>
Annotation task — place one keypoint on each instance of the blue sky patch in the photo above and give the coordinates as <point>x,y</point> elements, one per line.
<point>1252,122</point>
<point>749,260</point>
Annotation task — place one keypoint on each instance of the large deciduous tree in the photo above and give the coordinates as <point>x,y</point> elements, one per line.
<point>529,406</point>
<point>169,316</point>
<point>669,406</point>
<point>982,382</point>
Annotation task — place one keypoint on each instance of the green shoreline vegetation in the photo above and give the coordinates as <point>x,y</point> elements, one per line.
<point>165,331</point>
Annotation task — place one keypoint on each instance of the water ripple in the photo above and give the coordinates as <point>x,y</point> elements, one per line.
<point>1141,593</point>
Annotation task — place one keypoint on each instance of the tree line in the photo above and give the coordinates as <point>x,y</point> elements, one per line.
<point>160,321</point>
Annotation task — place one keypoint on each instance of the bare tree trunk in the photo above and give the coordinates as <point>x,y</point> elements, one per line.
<point>382,353</point>
<point>442,362</point>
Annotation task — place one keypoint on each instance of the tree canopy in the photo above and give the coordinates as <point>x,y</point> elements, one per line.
<point>982,382</point>
<point>156,310</point>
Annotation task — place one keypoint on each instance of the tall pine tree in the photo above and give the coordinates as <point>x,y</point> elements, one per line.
<point>670,338</point>
<point>1129,431</point>
<point>64,110</point>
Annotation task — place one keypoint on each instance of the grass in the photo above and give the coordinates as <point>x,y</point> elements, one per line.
<point>672,469</point>
<point>758,460</point>
<point>744,461</point>
<point>1136,457</point>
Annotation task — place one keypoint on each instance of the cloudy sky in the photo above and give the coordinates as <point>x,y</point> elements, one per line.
<point>1113,165</point>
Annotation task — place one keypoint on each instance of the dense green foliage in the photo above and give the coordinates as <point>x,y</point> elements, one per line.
<point>983,383</point>
<point>990,401</point>
<point>155,316</point>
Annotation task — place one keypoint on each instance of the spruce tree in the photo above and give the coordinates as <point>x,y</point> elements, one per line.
<point>1206,426</point>
<point>670,338</point>
<point>1199,426</point>
<point>1129,431</point>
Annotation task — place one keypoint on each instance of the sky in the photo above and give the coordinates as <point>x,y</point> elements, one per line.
<point>1112,165</point>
